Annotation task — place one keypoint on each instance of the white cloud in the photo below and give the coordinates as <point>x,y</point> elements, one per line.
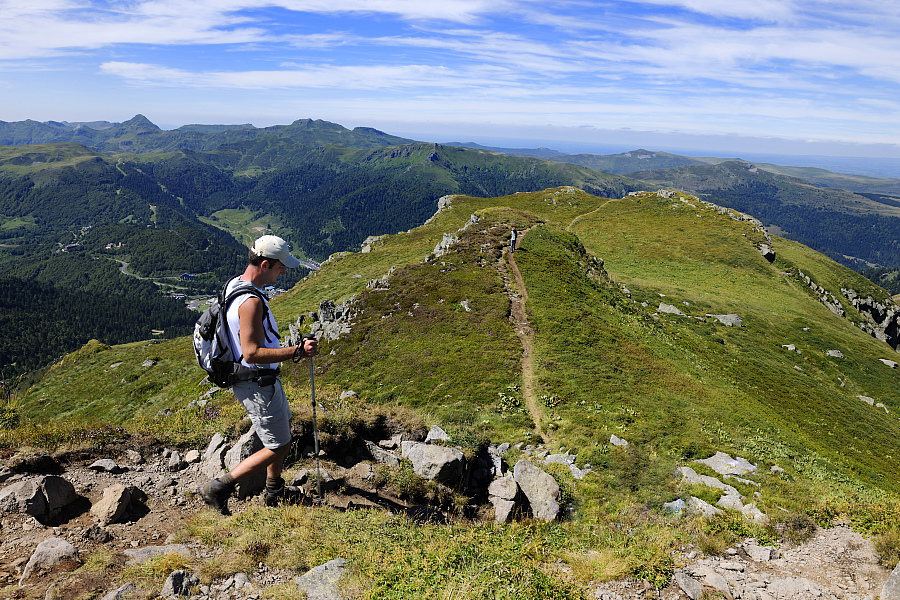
<point>807,66</point>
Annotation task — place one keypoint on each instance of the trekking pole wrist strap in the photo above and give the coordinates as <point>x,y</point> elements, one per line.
<point>299,351</point>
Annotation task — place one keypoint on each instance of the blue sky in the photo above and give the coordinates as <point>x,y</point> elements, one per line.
<point>779,76</point>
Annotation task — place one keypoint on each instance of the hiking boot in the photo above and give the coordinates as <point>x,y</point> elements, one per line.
<point>215,494</point>
<point>287,494</point>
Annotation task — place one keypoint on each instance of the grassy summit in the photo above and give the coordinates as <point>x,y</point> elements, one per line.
<point>439,343</point>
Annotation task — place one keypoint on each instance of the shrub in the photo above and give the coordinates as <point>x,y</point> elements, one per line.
<point>887,545</point>
<point>796,527</point>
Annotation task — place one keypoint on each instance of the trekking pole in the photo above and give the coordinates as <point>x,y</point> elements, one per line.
<point>312,384</point>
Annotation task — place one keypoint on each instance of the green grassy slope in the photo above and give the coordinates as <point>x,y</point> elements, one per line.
<point>603,363</point>
<point>677,387</point>
<point>741,388</point>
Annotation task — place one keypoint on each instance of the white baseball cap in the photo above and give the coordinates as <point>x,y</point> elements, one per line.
<point>272,246</point>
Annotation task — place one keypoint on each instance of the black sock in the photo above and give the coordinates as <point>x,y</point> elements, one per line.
<point>227,479</point>
<point>274,484</point>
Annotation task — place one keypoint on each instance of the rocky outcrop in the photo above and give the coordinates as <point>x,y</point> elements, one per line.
<point>670,310</point>
<point>332,320</point>
<point>447,242</point>
<point>823,295</point>
<point>731,499</point>
<point>882,319</point>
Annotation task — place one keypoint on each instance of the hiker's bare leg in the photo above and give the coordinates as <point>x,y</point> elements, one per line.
<point>271,460</point>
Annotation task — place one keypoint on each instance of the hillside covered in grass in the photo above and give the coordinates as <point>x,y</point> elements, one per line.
<point>436,338</point>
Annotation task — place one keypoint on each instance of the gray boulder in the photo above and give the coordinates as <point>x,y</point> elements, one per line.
<point>137,556</point>
<point>41,497</point>
<point>767,252</point>
<point>504,487</point>
<point>176,462</point>
<point>540,488</point>
<point>115,501</point>
<point>891,589</point>
<point>25,497</point>
<point>690,586</point>
<point>759,553</point>
<point>436,434</point>
<point>434,462</point>
<point>120,593</point>
<point>48,554</point>
<point>503,509</point>
<point>714,580</point>
<point>382,456</point>
<point>217,446</point>
<point>669,309</point>
<point>246,445</point>
<point>698,506</point>
<point>752,513</point>
<point>723,464</point>
<point>502,494</point>
<point>729,320</point>
<point>179,583</point>
<point>321,583</point>
<point>105,465</point>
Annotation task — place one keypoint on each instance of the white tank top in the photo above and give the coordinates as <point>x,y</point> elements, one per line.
<point>270,327</point>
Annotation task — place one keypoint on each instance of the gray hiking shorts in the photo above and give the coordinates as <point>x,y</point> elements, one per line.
<point>268,410</point>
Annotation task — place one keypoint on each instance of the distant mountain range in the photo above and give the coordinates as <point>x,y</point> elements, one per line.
<point>139,135</point>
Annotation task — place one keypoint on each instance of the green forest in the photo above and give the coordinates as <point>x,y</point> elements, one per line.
<point>55,307</point>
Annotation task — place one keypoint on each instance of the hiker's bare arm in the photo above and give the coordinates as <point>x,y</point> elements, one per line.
<point>251,313</point>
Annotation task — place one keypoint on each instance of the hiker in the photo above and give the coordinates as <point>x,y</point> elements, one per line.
<point>512,239</point>
<point>254,338</point>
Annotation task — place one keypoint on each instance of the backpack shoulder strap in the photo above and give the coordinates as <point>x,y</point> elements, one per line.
<point>247,288</point>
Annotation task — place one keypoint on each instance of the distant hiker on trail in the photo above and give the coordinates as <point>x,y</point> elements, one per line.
<point>254,338</point>
<point>513,236</point>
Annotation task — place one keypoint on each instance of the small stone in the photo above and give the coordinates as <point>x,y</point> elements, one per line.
<point>105,465</point>
<point>617,441</point>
